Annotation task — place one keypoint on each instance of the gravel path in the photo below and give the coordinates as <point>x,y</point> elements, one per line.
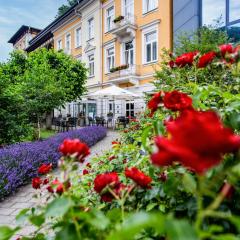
<point>10,207</point>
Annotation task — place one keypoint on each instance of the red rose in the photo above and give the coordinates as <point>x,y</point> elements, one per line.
<point>45,169</point>
<point>206,59</point>
<point>111,158</point>
<point>177,101</point>
<point>138,177</point>
<point>85,172</point>
<point>60,188</point>
<point>115,143</point>
<point>74,147</point>
<point>185,59</point>
<point>163,176</point>
<point>89,165</point>
<point>198,140</point>
<point>50,189</point>
<point>45,181</point>
<point>154,102</point>
<point>226,48</point>
<point>103,180</point>
<point>36,182</point>
<point>171,64</point>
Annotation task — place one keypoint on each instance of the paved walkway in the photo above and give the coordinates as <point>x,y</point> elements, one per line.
<point>10,207</point>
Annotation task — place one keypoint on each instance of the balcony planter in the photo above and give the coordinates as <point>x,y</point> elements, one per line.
<point>119,68</point>
<point>118,19</point>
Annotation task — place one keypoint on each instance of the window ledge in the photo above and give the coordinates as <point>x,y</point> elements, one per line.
<point>149,12</point>
<point>93,76</point>
<point>150,63</point>
<point>90,39</point>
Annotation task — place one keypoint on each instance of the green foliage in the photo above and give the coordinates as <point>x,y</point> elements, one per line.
<point>64,7</point>
<point>34,85</point>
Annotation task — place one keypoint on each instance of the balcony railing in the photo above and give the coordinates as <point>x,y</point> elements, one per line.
<point>129,71</point>
<point>127,25</point>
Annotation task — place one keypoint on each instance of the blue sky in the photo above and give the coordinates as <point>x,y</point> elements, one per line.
<point>15,13</point>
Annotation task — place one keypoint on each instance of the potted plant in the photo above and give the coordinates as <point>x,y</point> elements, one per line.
<point>118,19</point>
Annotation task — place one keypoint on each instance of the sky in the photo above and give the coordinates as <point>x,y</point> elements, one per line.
<point>15,13</point>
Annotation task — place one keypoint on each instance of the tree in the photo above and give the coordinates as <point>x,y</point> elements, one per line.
<point>64,8</point>
<point>50,80</point>
<point>33,85</point>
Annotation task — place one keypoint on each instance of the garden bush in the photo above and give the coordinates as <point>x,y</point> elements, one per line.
<point>19,162</point>
<point>175,172</point>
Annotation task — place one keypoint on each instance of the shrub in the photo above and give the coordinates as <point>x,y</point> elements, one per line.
<point>19,162</point>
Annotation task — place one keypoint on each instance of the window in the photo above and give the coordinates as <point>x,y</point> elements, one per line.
<point>128,53</point>
<point>91,65</point>
<point>149,5</point>
<point>78,36</point>
<point>90,28</point>
<point>150,47</point>
<point>68,42</point>
<point>110,59</point>
<point>212,11</point>
<point>234,32</point>
<point>59,44</point>
<point>129,109</point>
<point>234,10</point>
<point>129,9</point>
<point>109,18</point>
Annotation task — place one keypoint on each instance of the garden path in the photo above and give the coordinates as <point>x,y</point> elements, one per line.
<point>10,207</point>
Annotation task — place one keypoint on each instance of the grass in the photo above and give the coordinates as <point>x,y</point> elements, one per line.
<point>47,133</point>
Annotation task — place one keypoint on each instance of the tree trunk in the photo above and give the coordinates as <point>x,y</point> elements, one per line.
<point>49,120</point>
<point>38,129</point>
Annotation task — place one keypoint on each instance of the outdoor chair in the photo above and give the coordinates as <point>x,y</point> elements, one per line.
<point>100,121</point>
<point>109,121</point>
<point>56,123</point>
<point>122,121</point>
<point>90,121</point>
<point>72,123</point>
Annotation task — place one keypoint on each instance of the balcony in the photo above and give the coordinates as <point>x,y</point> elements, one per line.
<point>127,73</point>
<point>125,27</point>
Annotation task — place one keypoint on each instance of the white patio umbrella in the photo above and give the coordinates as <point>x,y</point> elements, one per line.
<point>114,93</point>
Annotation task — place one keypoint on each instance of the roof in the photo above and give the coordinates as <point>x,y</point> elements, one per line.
<point>20,31</point>
<point>46,33</point>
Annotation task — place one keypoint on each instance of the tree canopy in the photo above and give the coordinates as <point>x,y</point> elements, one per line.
<point>36,84</point>
<point>65,7</point>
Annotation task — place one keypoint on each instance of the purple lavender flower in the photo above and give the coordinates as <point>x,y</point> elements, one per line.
<point>19,162</point>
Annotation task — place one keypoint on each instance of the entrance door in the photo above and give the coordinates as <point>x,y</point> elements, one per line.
<point>129,109</point>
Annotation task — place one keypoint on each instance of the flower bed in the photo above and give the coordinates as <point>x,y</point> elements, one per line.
<point>19,162</point>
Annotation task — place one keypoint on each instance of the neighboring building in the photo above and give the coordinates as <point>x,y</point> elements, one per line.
<point>134,32</point>
<point>23,36</point>
<point>189,15</point>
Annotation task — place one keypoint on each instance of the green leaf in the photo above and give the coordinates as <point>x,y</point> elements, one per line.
<point>37,220</point>
<point>180,230</point>
<point>68,232</point>
<point>151,206</point>
<point>58,207</point>
<point>22,216</point>
<point>6,232</point>
<point>189,183</point>
<point>136,223</point>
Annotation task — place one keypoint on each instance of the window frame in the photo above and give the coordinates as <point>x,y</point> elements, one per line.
<point>144,47</point>
<point>145,8</point>
<point>61,45</point>
<point>109,28</point>
<point>91,74</point>
<point>78,44</point>
<point>107,48</point>
<point>66,40</point>
<point>91,28</point>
